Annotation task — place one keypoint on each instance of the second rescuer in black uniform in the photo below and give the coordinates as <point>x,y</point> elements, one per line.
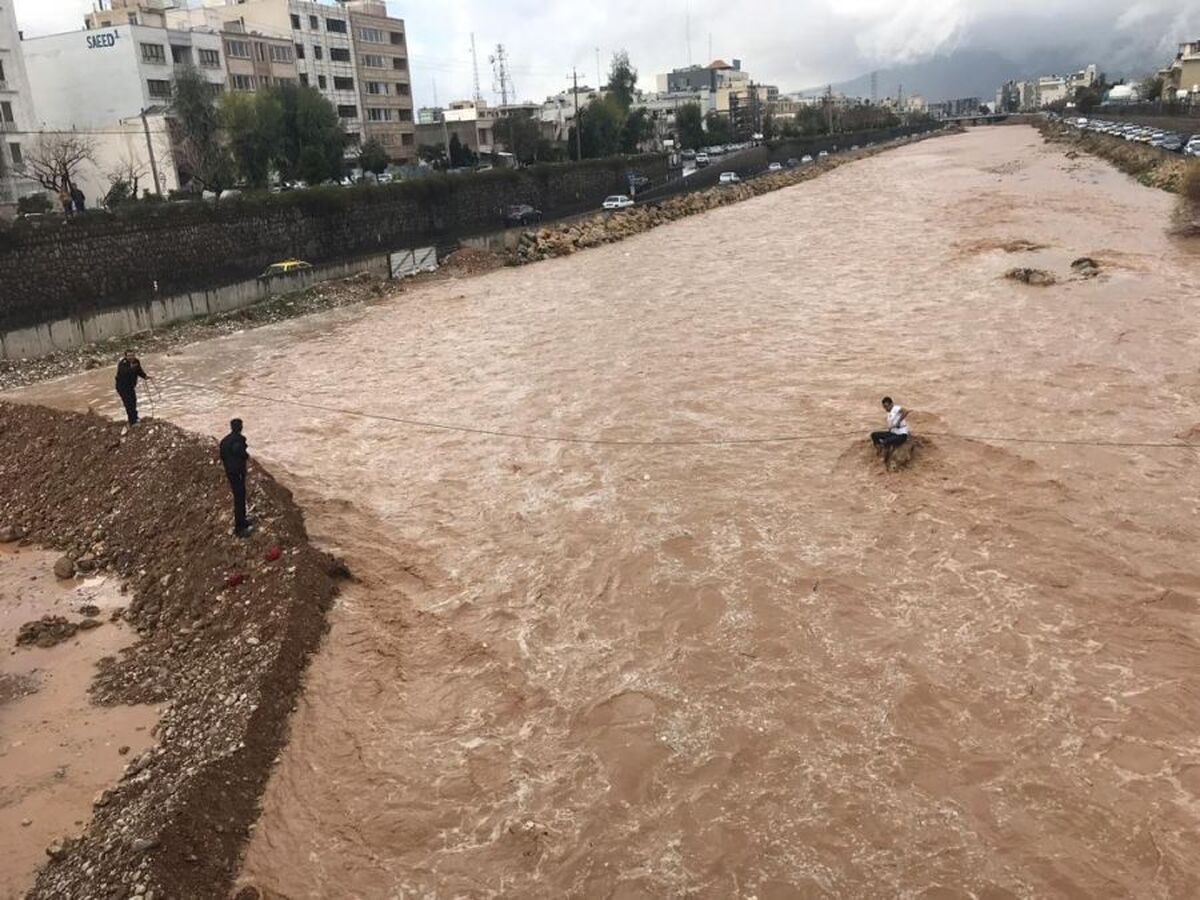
<point>129,370</point>
<point>234,456</point>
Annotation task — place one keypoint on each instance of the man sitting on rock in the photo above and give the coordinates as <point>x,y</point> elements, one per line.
<point>897,433</point>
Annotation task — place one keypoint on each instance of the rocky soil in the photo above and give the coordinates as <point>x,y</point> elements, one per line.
<point>1149,165</point>
<point>225,628</point>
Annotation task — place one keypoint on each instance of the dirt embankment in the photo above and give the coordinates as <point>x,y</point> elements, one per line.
<point>606,228</point>
<point>1149,165</point>
<point>225,629</point>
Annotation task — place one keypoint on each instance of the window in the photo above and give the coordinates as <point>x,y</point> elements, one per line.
<point>321,82</point>
<point>154,53</point>
<point>237,49</point>
<point>260,50</point>
<point>304,78</point>
<point>373,62</point>
<point>377,114</point>
<point>337,26</point>
<point>403,90</point>
<point>318,53</point>
<point>372,35</point>
<point>281,54</point>
<point>339,54</point>
<point>295,22</point>
<point>348,112</point>
<point>159,89</point>
<point>299,51</point>
<point>404,115</point>
<point>399,62</point>
<point>181,56</point>
<point>2,79</point>
<point>398,38</point>
<point>17,157</point>
<point>313,23</point>
<point>210,59</point>
<point>243,82</point>
<point>406,139</point>
<point>375,87</point>
<point>342,84</point>
<point>5,111</point>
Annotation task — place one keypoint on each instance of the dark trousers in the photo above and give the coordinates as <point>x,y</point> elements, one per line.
<point>887,439</point>
<point>129,398</point>
<point>237,484</point>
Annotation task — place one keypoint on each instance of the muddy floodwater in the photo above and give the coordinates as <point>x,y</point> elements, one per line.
<point>751,670</point>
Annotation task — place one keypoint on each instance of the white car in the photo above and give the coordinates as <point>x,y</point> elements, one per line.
<point>775,167</point>
<point>822,154</point>
<point>729,178</point>
<point>805,159</point>
<point>617,201</point>
<point>702,159</point>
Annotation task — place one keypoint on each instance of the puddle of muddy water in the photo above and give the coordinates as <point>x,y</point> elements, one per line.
<point>57,750</point>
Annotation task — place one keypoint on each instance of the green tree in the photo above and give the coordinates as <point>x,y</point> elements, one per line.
<point>253,125</point>
<point>520,135</point>
<point>373,156</point>
<point>312,144</point>
<point>638,129</point>
<point>195,128</point>
<point>689,126</point>
<point>434,154</point>
<point>1151,88</point>
<point>461,156</point>
<point>600,124</point>
<point>720,131</point>
<point>622,80</point>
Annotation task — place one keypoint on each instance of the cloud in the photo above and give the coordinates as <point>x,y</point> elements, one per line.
<point>792,43</point>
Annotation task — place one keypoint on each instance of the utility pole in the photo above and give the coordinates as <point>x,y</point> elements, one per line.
<point>475,66</point>
<point>599,82</point>
<point>687,29</point>
<point>578,130</point>
<point>150,150</point>
<point>500,74</point>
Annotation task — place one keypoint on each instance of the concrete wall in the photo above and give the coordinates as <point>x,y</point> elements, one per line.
<point>70,332</point>
<point>56,269</point>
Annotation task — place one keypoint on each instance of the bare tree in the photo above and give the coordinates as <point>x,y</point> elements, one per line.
<point>123,180</point>
<point>56,157</point>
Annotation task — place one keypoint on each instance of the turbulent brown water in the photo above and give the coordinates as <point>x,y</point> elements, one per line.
<point>770,670</point>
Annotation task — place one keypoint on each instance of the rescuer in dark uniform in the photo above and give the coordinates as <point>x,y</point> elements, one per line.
<point>233,457</point>
<point>129,370</point>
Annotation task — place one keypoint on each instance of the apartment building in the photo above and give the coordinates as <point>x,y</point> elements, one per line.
<point>1181,80</point>
<point>385,85</point>
<point>16,110</point>
<point>254,60</point>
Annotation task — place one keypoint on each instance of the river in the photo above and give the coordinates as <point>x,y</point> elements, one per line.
<point>751,670</point>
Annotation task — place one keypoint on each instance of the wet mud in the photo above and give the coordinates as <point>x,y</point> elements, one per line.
<point>772,670</point>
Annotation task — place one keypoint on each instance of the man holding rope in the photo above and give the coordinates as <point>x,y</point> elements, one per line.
<point>897,433</point>
<point>129,370</point>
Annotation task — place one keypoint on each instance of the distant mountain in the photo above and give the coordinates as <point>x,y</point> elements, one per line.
<point>964,73</point>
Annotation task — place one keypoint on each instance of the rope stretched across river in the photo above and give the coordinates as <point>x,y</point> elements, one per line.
<point>670,442</point>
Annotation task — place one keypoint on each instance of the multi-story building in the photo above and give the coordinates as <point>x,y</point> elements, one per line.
<point>385,86</point>
<point>254,60</point>
<point>16,110</point>
<point>352,52</point>
<point>112,87</point>
<point>1181,80</point>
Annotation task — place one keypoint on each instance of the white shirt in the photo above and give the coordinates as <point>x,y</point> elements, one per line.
<point>895,426</point>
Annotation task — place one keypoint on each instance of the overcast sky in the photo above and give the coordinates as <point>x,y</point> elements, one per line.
<point>792,43</point>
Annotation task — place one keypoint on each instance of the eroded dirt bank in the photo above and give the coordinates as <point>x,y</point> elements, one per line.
<point>597,670</point>
<point>222,662</point>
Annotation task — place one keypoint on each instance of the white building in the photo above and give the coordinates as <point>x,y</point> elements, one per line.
<point>98,83</point>
<point>16,110</point>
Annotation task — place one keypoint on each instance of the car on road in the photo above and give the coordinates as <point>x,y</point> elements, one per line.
<point>637,181</point>
<point>729,178</point>
<point>792,162</point>
<point>806,159</point>
<point>701,159</point>
<point>521,214</point>
<point>1173,143</point>
<point>775,167</point>
<point>617,201</point>
<point>822,154</point>
<point>688,154</point>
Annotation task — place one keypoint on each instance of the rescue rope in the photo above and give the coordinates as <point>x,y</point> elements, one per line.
<point>668,442</point>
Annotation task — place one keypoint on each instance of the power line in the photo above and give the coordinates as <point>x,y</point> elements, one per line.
<point>669,442</point>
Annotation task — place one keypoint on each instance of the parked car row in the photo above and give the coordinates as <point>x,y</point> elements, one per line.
<point>1173,141</point>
